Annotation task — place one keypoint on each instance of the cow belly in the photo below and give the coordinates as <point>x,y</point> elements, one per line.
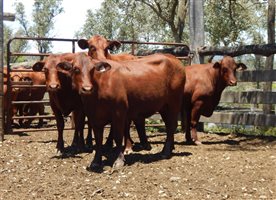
<point>144,109</point>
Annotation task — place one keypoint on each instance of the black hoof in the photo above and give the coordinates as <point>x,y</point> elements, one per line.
<point>95,167</point>
<point>193,142</point>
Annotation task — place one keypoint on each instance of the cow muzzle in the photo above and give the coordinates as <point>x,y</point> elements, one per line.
<point>86,90</point>
<point>53,87</point>
<point>232,83</point>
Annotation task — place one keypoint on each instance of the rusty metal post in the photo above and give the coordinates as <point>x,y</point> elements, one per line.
<point>8,119</point>
<point>1,72</point>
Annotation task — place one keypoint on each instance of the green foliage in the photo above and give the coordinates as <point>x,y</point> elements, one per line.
<point>17,45</point>
<point>233,22</point>
<point>44,12</point>
<point>153,129</point>
<point>127,20</point>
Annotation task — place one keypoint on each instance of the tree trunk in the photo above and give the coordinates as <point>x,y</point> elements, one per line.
<point>180,18</point>
<point>271,40</point>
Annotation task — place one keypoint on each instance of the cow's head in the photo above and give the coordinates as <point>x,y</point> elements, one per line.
<point>98,46</point>
<point>51,69</point>
<point>227,68</point>
<point>82,69</point>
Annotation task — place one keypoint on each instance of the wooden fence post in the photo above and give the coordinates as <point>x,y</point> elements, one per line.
<point>1,72</point>
<point>196,28</point>
<point>196,34</point>
<point>270,40</point>
<point>6,17</point>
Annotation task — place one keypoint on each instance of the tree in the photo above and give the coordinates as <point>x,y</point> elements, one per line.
<point>227,20</point>
<point>135,20</point>
<point>172,12</point>
<point>44,12</point>
<point>17,45</point>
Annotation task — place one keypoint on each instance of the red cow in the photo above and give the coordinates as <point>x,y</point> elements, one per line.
<point>117,92</point>
<point>63,99</point>
<point>203,88</point>
<point>14,77</point>
<point>99,49</point>
<point>31,94</point>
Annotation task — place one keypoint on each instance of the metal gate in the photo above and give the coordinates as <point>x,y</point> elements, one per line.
<point>8,117</point>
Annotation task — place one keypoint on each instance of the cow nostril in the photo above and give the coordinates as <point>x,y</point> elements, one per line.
<point>87,88</point>
<point>233,83</point>
<point>54,86</point>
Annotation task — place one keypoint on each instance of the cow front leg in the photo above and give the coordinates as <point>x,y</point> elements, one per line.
<point>60,128</point>
<point>187,120</point>
<point>79,121</point>
<point>88,142</point>
<point>97,165</point>
<point>195,115</point>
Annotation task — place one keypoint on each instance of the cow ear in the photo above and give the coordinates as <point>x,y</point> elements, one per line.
<point>67,66</point>
<point>83,44</point>
<point>241,67</point>
<point>217,65</point>
<point>38,66</point>
<point>102,66</point>
<point>112,44</point>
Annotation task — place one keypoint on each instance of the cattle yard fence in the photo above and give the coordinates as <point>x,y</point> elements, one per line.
<point>8,116</point>
<point>244,107</point>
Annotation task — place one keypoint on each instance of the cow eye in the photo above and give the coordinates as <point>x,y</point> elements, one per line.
<point>76,70</point>
<point>224,70</point>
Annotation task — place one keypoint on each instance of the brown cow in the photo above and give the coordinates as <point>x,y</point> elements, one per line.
<point>14,77</point>
<point>117,92</point>
<point>99,49</point>
<point>63,99</point>
<point>203,88</point>
<point>31,94</point>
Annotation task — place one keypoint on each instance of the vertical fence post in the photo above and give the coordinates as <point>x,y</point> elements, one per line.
<point>196,34</point>
<point>196,28</point>
<point>1,72</point>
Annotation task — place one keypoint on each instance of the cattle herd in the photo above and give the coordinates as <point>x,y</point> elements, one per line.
<point>117,89</point>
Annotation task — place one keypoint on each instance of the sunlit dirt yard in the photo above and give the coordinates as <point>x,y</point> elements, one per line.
<point>224,167</point>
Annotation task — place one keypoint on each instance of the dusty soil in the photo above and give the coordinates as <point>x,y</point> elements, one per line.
<point>224,167</point>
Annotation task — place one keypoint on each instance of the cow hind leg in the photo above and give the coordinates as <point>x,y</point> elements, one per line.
<point>79,121</point>
<point>170,119</point>
<point>119,124</point>
<point>109,141</point>
<point>188,136</point>
<point>128,141</point>
<point>40,112</point>
<point>140,126</point>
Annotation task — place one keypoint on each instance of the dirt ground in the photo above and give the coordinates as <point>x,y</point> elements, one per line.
<point>224,167</point>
